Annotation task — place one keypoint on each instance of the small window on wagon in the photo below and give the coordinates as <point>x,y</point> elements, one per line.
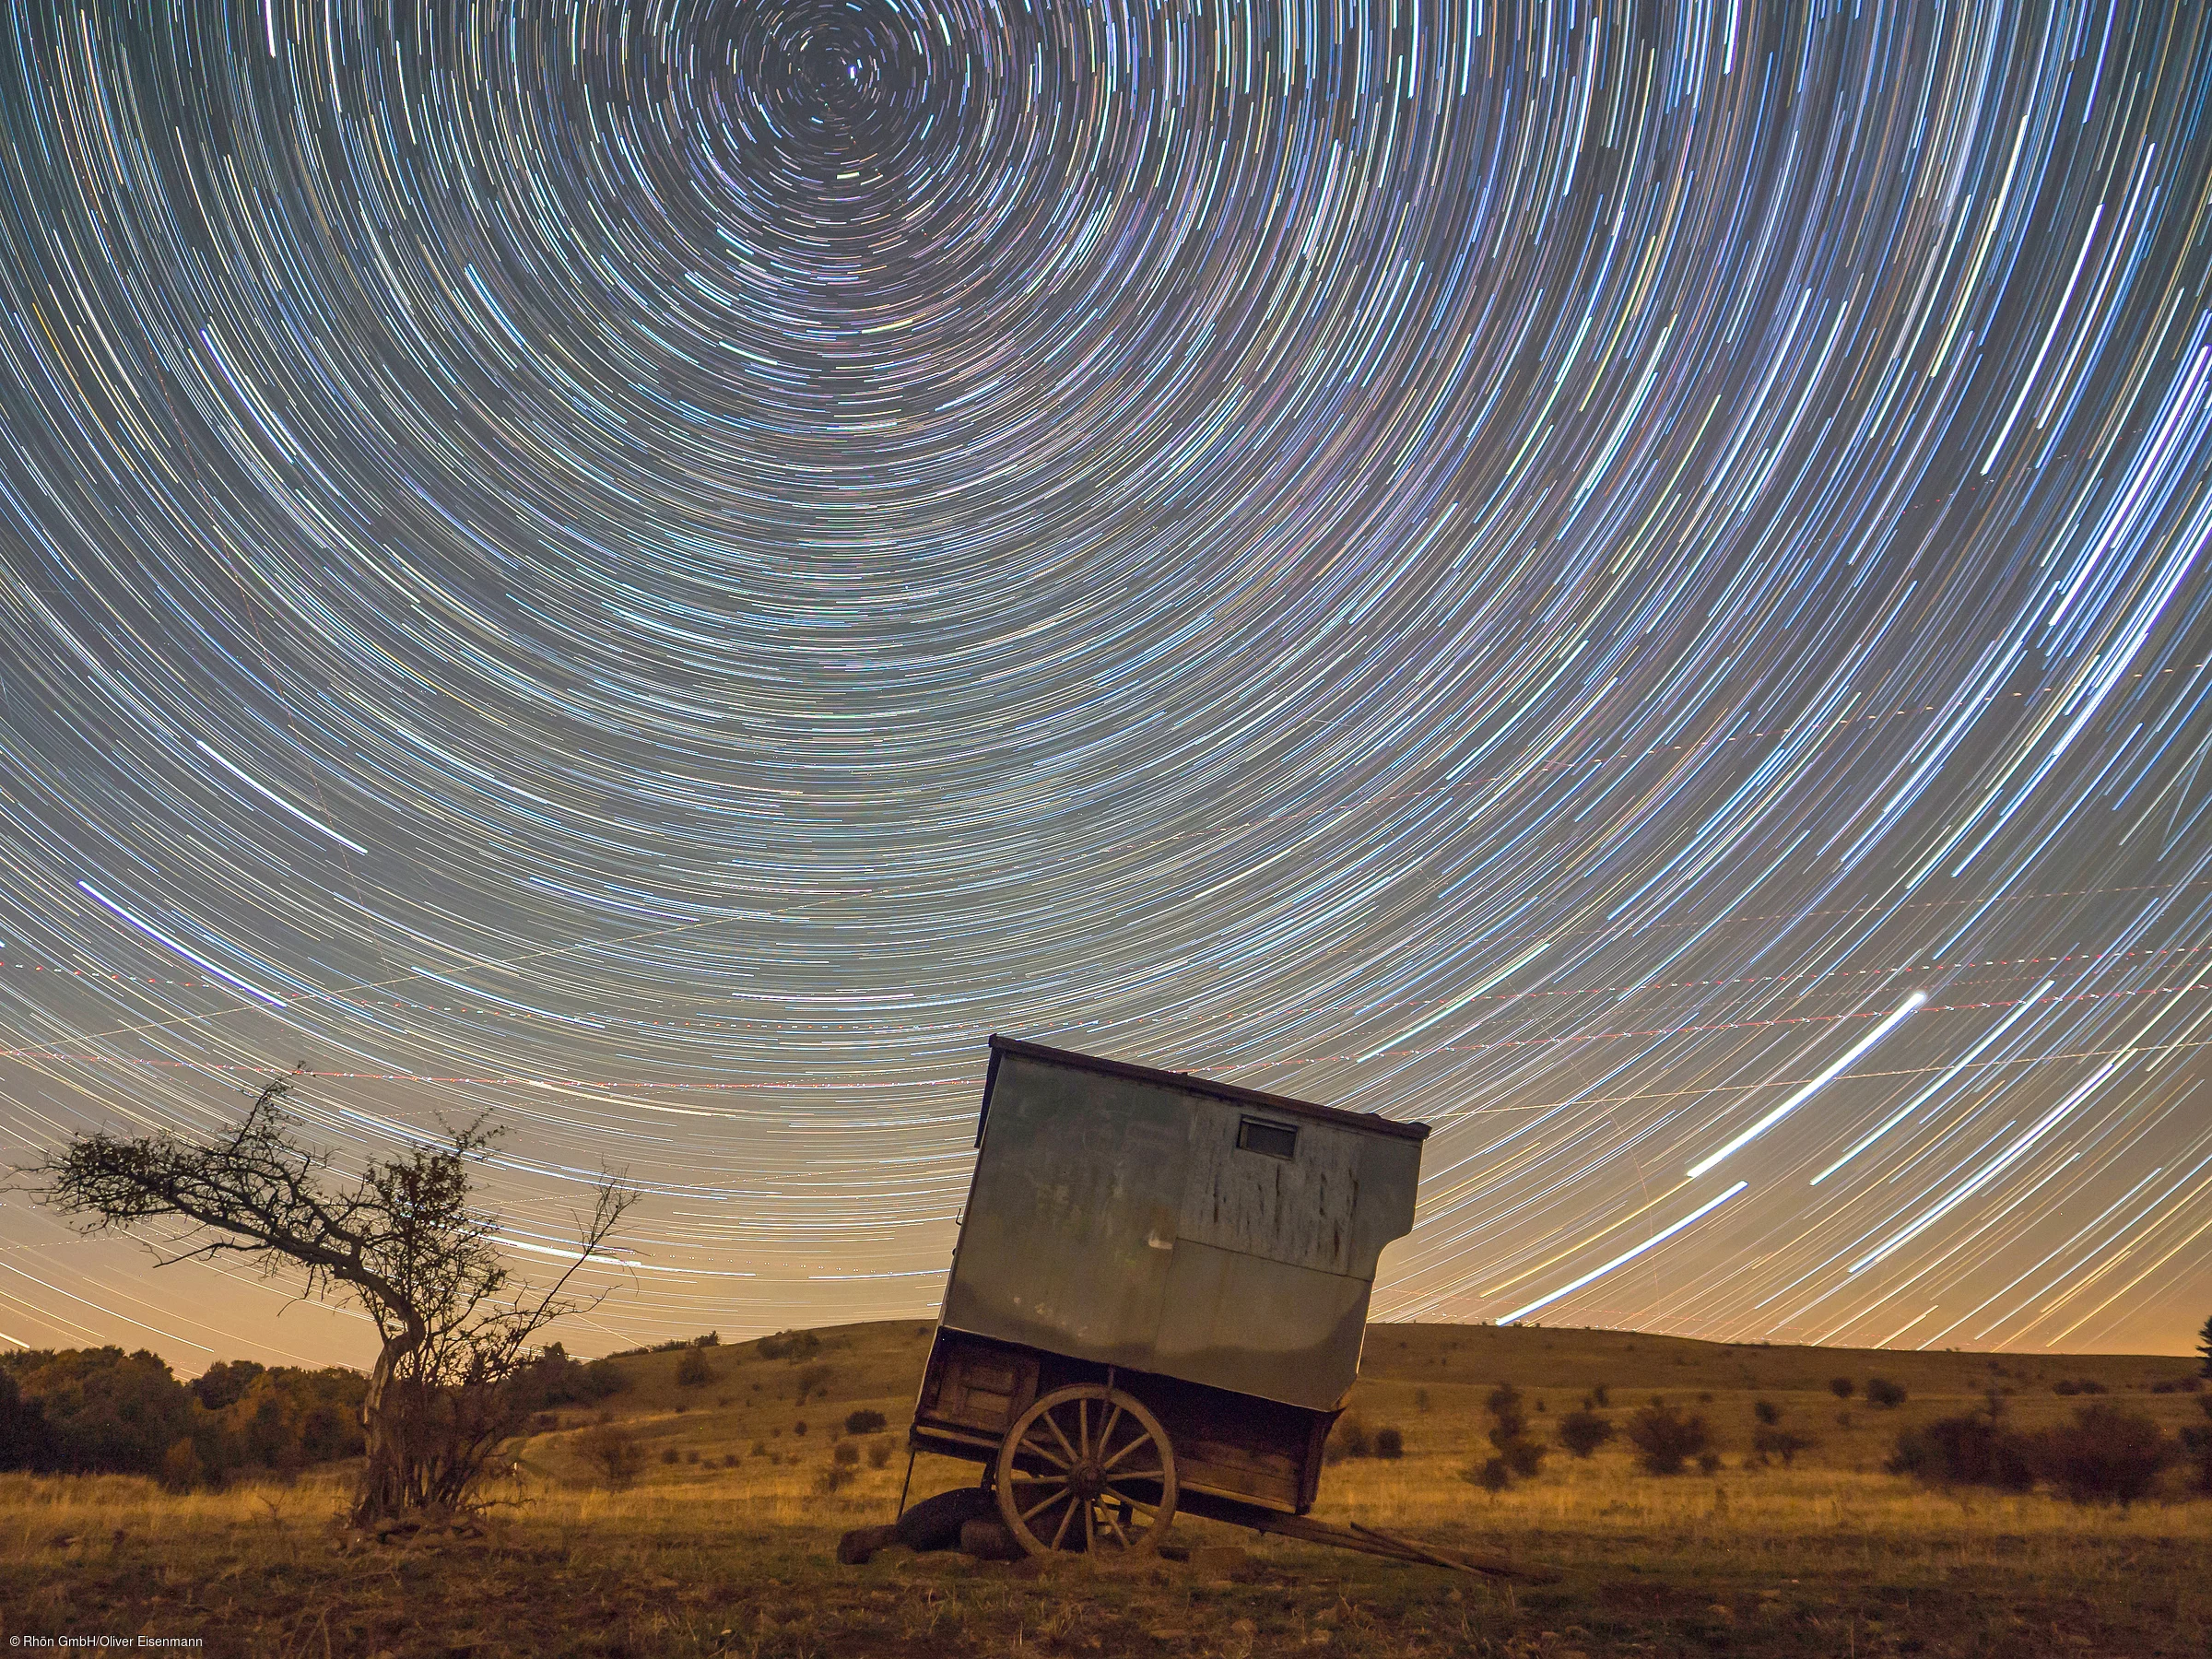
<point>1276,1140</point>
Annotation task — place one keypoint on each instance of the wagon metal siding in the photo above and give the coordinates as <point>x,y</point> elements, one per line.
<point>1114,1218</point>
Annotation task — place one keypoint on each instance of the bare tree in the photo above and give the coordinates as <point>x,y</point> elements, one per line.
<point>401,1239</point>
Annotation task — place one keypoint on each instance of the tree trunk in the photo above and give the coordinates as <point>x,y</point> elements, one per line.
<point>385,1423</point>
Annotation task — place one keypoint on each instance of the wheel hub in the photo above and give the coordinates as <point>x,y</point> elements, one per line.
<point>1088,1478</point>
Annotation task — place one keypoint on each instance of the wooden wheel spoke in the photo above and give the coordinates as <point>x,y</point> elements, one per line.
<point>1106,1430</point>
<point>1045,1504</point>
<point>1031,1443</point>
<point>1129,1499</point>
<point>1089,1511</point>
<point>1083,1426</point>
<point>1144,1440</point>
<point>1074,1457</point>
<point>1062,1532</point>
<point>1118,1533</point>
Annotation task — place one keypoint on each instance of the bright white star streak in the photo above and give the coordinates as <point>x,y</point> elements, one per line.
<point>1626,1257</point>
<point>1842,1065</point>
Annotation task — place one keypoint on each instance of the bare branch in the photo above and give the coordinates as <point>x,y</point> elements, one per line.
<point>403,1240</point>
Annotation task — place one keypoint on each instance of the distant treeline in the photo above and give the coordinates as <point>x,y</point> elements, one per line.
<point>85,1411</point>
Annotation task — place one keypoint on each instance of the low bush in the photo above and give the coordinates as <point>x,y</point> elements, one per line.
<point>1881,1392</point>
<point>614,1453</point>
<point>1665,1440</point>
<point>1768,1441</point>
<point>694,1370</point>
<point>1492,1476</point>
<point>2196,1447</point>
<point>1350,1438</point>
<point>1390,1442</point>
<point>1520,1454</point>
<point>1842,1387</point>
<point>879,1453</point>
<point>1582,1433</point>
<point>1965,1451</point>
<point>2107,1454</point>
<point>794,1346</point>
<point>863,1422</point>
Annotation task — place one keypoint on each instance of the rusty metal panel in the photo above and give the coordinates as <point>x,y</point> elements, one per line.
<point>1166,1224</point>
<point>1070,1225</point>
<point>1299,1209</point>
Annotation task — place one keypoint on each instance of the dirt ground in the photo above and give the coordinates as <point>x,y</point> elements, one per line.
<point>725,1546</point>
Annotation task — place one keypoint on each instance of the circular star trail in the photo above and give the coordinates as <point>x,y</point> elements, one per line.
<point>1629,581</point>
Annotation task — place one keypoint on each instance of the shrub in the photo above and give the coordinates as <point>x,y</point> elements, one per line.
<point>1491,1476</point>
<point>1665,1439</point>
<point>1965,1451</point>
<point>1517,1453</point>
<point>1881,1392</point>
<point>690,1457</point>
<point>1421,1399</point>
<point>1348,1438</point>
<point>221,1383</point>
<point>1599,1398</point>
<point>800,1426</point>
<point>670,1455</point>
<point>181,1467</point>
<point>1709,1463</point>
<point>833,1478</point>
<point>694,1370</point>
<point>847,1453</point>
<point>1765,1411</point>
<point>1842,1387</point>
<point>2196,1447</point>
<point>1582,1433</point>
<point>614,1452</point>
<point>106,1412</point>
<point>1390,1442</point>
<point>794,1346</point>
<point>814,1380</point>
<point>863,1422</point>
<point>1770,1442</point>
<point>879,1453</point>
<point>2077,1385</point>
<point>24,1440</point>
<point>602,1378</point>
<point>2107,1454</point>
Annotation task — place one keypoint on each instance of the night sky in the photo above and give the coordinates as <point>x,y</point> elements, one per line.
<point>1630,582</point>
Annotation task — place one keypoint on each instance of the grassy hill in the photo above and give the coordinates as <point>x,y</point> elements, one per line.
<point>723,1544</point>
<point>1429,1380</point>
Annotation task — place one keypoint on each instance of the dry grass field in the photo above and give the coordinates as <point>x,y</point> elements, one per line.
<point>724,1543</point>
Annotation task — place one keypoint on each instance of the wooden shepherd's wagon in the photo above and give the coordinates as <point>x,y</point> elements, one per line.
<point>1158,1298</point>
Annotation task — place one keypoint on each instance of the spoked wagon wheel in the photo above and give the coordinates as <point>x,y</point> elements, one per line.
<point>1087,1468</point>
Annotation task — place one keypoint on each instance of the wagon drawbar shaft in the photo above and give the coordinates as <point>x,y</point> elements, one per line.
<point>1373,1541</point>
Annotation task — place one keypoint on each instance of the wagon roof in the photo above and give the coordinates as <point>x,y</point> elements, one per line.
<point>1369,1122</point>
